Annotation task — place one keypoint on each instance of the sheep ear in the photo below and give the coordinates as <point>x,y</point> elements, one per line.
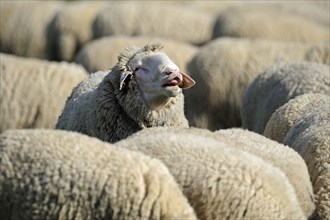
<point>124,79</point>
<point>187,81</point>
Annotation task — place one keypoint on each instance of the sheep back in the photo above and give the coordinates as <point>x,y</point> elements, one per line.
<point>25,28</point>
<point>161,20</point>
<point>219,180</point>
<point>33,92</point>
<point>285,116</point>
<point>51,174</point>
<point>223,70</point>
<point>276,86</point>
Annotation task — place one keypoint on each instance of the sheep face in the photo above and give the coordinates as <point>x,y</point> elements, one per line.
<point>158,78</point>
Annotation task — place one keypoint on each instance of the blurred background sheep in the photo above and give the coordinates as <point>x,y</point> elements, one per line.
<point>223,45</point>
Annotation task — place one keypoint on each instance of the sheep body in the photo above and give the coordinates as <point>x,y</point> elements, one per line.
<point>25,28</point>
<point>307,118</point>
<point>224,68</point>
<point>51,174</point>
<point>276,20</point>
<point>33,92</point>
<point>72,28</point>
<point>283,157</point>
<point>108,48</point>
<point>99,107</point>
<point>219,180</point>
<point>285,116</point>
<point>158,19</point>
<point>277,85</point>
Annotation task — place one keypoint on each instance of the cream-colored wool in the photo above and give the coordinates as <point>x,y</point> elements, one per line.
<point>276,86</point>
<point>282,21</point>
<point>24,27</point>
<point>52,174</point>
<point>285,116</point>
<point>33,92</point>
<point>223,69</point>
<point>154,19</point>
<point>101,54</point>
<point>72,27</point>
<point>220,180</point>
<point>306,122</point>
<point>283,157</point>
<point>99,108</point>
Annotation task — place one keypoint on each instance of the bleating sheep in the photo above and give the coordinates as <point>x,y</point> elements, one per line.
<point>224,68</point>
<point>281,21</point>
<point>283,157</point>
<point>72,27</point>
<point>219,180</point>
<point>25,25</point>
<point>276,86</point>
<point>33,92</point>
<point>101,54</point>
<point>154,19</point>
<point>144,89</point>
<point>52,174</point>
<point>309,119</point>
<point>285,116</point>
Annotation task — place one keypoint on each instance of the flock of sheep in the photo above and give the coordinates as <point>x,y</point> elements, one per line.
<point>165,110</point>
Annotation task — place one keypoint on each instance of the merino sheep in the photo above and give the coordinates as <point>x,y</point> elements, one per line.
<point>144,89</point>
<point>304,124</point>
<point>52,174</point>
<point>101,54</point>
<point>33,92</point>
<point>72,27</point>
<point>25,27</point>
<point>276,86</point>
<point>285,116</point>
<point>224,68</point>
<point>283,157</point>
<point>277,21</point>
<point>154,19</point>
<point>219,180</point>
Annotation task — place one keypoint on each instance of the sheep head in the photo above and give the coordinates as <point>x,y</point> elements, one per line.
<point>157,77</point>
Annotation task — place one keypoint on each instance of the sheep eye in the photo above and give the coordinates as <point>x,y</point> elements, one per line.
<point>137,68</point>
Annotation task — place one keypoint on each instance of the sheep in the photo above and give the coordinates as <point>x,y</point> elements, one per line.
<point>285,116</point>
<point>224,68</point>
<point>72,28</point>
<point>33,92</point>
<point>219,180</point>
<point>276,21</point>
<point>154,19</point>
<point>283,157</point>
<point>25,28</point>
<point>108,48</point>
<point>306,129</point>
<point>53,174</point>
<point>276,86</point>
<point>144,89</point>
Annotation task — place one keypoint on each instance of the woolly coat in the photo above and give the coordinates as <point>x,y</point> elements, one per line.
<point>283,157</point>
<point>97,107</point>
<point>276,86</point>
<point>219,180</point>
<point>52,174</point>
<point>33,92</point>
<point>72,27</point>
<point>224,68</point>
<point>25,28</point>
<point>101,54</point>
<point>154,19</point>
<point>308,119</point>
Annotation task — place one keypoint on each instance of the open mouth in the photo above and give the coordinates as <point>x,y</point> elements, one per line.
<point>173,82</point>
